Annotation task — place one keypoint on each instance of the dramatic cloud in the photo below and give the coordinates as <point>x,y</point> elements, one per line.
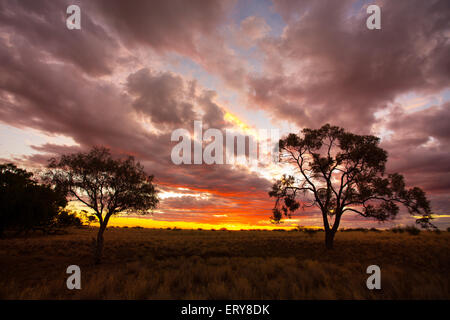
<point>328,67</point>
<point>138,70</point>
<point>40,25</point>
<point>419,147</point>
<point>171,102</point>
<point>162,97</point>
<point>194,30</point>
<point>165,25</point>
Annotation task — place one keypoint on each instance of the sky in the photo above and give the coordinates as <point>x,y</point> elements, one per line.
<point>138,70</point>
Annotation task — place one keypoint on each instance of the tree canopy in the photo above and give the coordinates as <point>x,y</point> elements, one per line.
<point>105,184</point>
<point>340,172</point>
<point>24,203</point>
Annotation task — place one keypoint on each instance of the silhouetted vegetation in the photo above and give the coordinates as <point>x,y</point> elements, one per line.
<point>342,172</point>
<point>25,204</point>
<point>355,229</point>
<point>67,218</point>
<point>107,186</point>
<point>309,231</point>
<point>408,229</point>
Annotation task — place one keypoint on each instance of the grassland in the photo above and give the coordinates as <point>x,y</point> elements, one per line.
<point>200,264</point>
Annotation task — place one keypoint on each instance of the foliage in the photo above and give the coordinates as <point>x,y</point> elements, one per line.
<point>309,231</point>
<point>24,203</point>
<point>342,172</point>
<point>412,230</point>
<point>106,185</point>
<point>67,218</point>
<point>88,218</point>
<point>355,230</point>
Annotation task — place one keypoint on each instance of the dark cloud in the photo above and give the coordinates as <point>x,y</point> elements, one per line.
<point>419,146</point>
<point>330,68</point>
<point>170,102</point>
<point>163,97</point>
<point>41,27</point>
<point>421,125</point>
<point>165,25</point>
<point>59,99</point>
<point>194,31</point>
<point>325,67</point>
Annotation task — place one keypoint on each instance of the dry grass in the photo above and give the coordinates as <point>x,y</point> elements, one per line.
<point>200,264</point>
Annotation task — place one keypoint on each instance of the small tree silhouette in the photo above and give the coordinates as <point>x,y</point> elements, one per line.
<point>106,185</point>
<point>339,172</point>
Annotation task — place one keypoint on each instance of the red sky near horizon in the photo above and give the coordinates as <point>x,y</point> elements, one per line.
<point>138,70</point>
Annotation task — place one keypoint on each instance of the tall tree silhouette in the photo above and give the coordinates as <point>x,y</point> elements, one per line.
<point>340,172</point>
<point>26,204</point>
<point>106,185</point>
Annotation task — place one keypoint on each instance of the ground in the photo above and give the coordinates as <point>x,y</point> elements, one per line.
<point>204,264</point>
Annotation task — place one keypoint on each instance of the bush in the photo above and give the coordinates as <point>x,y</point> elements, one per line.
<point>354,229</point>
<point>88,218</point>
<point>308,231</point>
<point>412,230</point>
<point>68,218</point>
<point>26,204</point>
<point>397,230</point>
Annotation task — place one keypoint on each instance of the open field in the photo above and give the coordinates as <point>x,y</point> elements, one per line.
<point>200,264</point>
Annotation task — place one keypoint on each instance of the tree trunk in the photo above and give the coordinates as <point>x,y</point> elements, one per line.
<point>329,238</point>
<point>99,248</point>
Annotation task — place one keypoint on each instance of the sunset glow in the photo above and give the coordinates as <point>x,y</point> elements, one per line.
<point>133,74</point>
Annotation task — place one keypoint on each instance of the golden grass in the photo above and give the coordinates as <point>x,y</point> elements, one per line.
<point>200,264</point>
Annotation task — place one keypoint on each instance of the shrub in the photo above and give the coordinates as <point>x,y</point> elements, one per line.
<point>397,230</point>
<point>308,231</point>
<point>25,204</point>
<point>355,229</point>
<point>412,230</point>
<point>68,218</point>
